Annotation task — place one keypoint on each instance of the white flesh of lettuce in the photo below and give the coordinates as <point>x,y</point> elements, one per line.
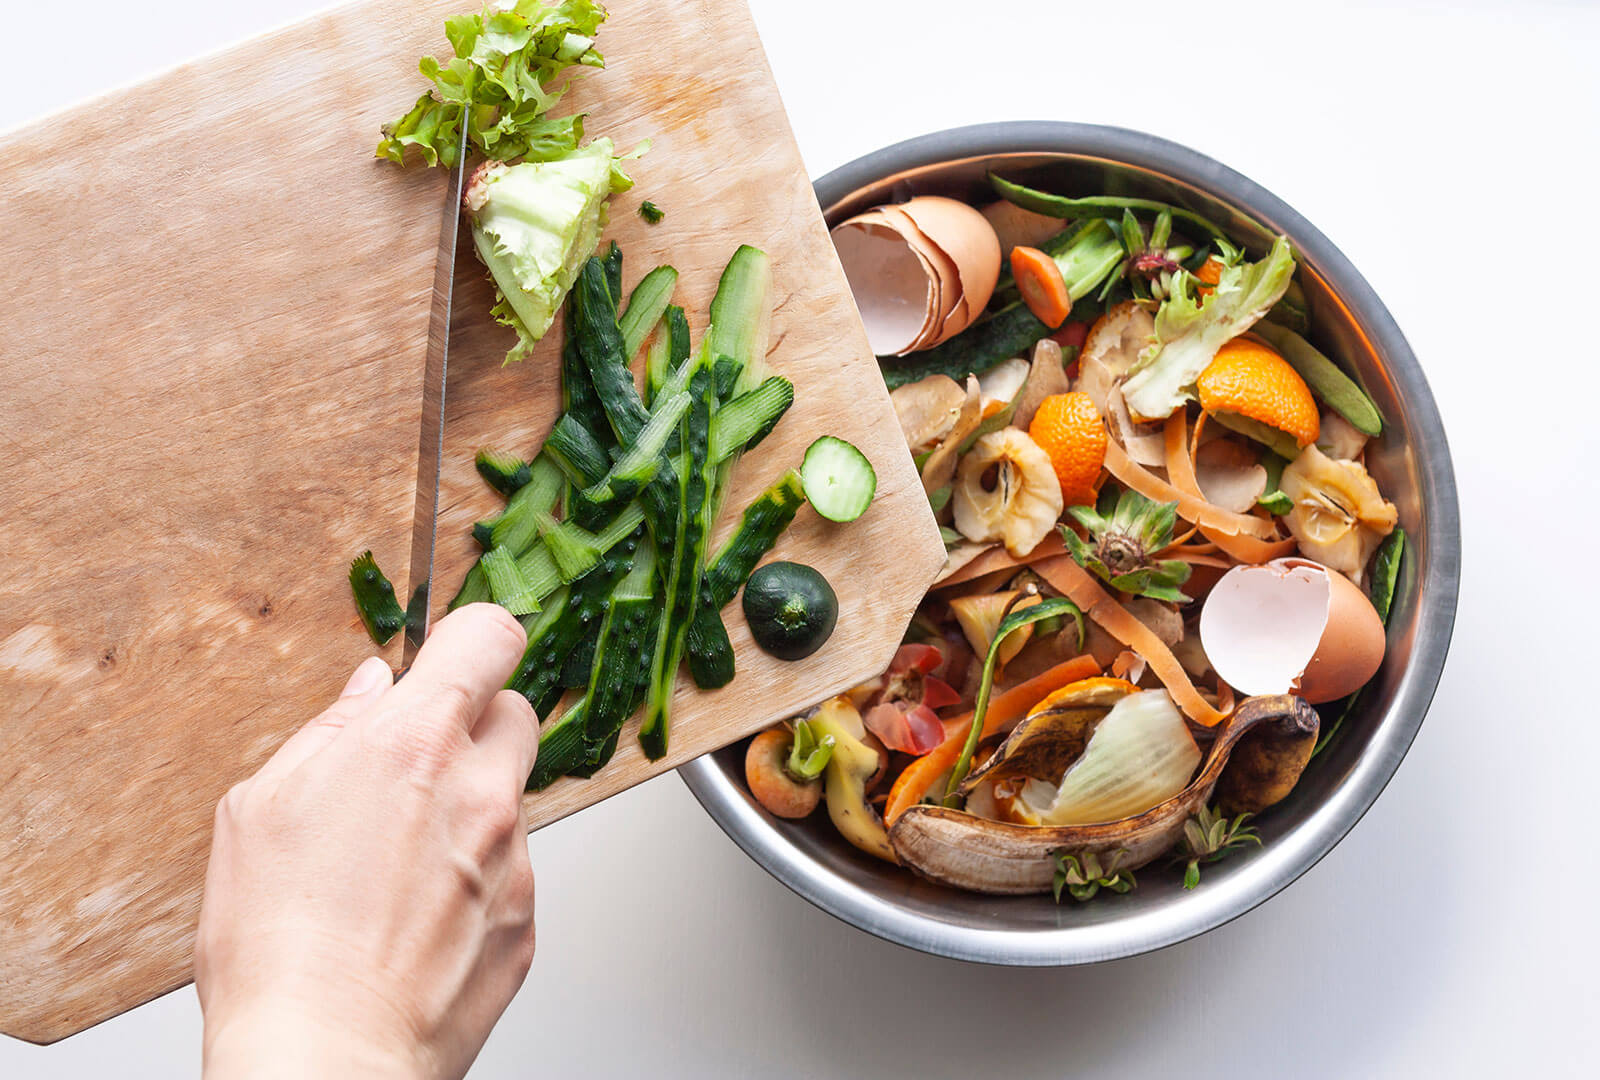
<point>1189,333</point>
<point>533,225</point>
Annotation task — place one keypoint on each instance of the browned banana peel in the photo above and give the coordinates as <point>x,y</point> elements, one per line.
<point>1266,764</point>
<point>956,848</point>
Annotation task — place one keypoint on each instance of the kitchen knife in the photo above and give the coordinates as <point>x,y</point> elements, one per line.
<point>430,442</point>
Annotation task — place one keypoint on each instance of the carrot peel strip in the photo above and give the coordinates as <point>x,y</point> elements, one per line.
<point>1191,507</point>
<point>1067,576</point>
<point>1180,469</point>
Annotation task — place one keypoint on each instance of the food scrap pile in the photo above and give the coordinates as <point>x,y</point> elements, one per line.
<point>1168,567</point>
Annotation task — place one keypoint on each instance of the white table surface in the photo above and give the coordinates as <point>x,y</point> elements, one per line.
<point>1450,149</point>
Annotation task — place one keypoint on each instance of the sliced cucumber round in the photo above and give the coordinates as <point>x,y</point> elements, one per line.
<point>838,479</point>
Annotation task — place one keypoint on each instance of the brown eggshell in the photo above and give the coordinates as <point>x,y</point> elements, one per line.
<point>1291,625</point>
<point>1352,645</point>
<point>968,238</point>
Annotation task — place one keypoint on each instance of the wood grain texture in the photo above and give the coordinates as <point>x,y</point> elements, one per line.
<point>216,304</point>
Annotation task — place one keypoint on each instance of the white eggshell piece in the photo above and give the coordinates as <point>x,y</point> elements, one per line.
<point>1261,625</point>
<point>891,285</point>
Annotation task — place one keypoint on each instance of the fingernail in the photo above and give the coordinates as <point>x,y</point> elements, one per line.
<point>366,678</point>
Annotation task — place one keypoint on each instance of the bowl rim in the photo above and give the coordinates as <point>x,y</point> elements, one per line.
<point>1287,857</point>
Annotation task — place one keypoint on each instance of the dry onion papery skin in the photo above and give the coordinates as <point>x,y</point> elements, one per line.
<point>955,848</point>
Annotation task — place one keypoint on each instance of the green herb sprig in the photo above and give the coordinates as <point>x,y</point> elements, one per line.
<point>1083,877</point>
<point>1209,836</point>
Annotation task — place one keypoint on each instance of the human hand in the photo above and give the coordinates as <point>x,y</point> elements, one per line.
<point>368,906</point>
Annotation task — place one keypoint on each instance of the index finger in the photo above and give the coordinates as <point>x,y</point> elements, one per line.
<point>466,661</point>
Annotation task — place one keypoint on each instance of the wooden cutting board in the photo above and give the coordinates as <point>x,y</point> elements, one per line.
<point>214,322</point>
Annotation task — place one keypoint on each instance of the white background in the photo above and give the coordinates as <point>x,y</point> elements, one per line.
<point>1450,150</point>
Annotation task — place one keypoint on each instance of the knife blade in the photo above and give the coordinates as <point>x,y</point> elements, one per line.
<point>430,441</point>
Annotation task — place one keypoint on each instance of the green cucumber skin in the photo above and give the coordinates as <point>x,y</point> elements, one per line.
<point>503,472</point>
<point>600,344</point>
<point>710,652</point>
<point>764,406</point>
<point>578,396</point>
<point>601,753</point>
<point>538,676</point>
<point>1009,331</point>
<point>646,304</point>
<point>740,312</point>
<point>474,589</point>
<point>688,556</point>
<point>677,351</point>
<point>561,748</point>
<point>772,422</point>
<point>380,611</point>
<point>724,377</point>
<point>612,265</point>
<point>763,522</point>
<point>517,527</point>
<point>711,662</point>
<point>576,452</point>
<point>620,657</point>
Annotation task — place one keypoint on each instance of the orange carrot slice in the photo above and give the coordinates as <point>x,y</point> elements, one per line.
<point>1074,581</point>
<point>1042,287</point>
<point>919,777</point>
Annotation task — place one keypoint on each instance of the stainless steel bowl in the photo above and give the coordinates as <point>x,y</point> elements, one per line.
<point>1411,463</point>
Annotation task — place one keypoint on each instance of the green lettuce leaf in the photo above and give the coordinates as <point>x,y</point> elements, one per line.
<point>533,225</point>
<point>502,80</point>
<point>1189,331</point>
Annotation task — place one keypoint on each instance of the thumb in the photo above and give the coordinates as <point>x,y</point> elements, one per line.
<point>366,685</point>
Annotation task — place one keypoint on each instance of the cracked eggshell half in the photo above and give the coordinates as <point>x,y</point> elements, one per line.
<point>893,285</point>
<point>1291,625</point>
<point>950,307</point>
